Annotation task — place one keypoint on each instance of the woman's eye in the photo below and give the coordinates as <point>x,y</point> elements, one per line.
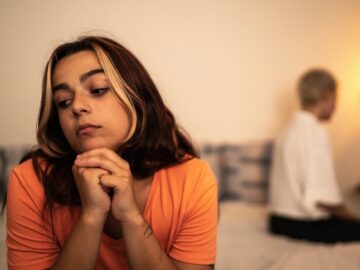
<point>64,103</point>
<point>99,91</point>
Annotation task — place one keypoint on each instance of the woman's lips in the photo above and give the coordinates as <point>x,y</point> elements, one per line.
<point>86,129</point>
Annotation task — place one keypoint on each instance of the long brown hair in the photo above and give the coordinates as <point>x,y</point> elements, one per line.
<point>154,142</point>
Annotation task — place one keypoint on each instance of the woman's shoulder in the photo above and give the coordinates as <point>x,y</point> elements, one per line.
<point>25,168</point>
<point>190,165</point>
<point>191,171</point>
<point>190,183</point>
<point>24,177</point>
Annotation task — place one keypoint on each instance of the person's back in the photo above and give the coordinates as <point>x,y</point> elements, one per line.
<point>295,185</point>
<point>305,201</point>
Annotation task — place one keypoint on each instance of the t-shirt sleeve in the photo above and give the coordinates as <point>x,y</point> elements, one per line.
<point>196,241</point>
<point>31,242</point>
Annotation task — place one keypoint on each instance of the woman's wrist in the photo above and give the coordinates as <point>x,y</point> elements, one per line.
<point>93,218</point>
<point>133,221</point>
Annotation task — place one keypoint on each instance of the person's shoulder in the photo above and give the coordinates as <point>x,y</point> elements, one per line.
<point>25,193</point>
<point>301,127</point>
<point>192,170</point>
<point>25,175</point>
<point>195,162</point>
<point>25,167</point>
<point>191,164</point>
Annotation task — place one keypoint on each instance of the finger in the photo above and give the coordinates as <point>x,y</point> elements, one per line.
<point>115,183</point>
<point>101,151</point>
<point>81,169</point>
<point>105,153</point>
<point>88,172</point>
<point>103,163</point>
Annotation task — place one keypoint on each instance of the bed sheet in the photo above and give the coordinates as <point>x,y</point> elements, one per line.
<point>244,243</point>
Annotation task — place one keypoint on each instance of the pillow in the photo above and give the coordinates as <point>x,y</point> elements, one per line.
<point>242,170</point>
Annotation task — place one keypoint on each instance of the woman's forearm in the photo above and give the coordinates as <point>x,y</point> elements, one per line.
<point>82,247</point>
<point>142,247</point>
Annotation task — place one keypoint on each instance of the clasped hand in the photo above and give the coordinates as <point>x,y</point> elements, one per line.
<point>99,173</point>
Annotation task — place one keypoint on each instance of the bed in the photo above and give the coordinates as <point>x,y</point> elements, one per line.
<point>244,243</point>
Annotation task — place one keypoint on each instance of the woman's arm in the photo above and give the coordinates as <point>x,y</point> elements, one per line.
<point>144,252</point>
<point>82,248</point>
<point>30,240</point>
<point>30,233</point>
<point>142,247</point>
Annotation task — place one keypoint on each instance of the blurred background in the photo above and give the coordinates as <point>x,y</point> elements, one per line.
<point>227,69</point>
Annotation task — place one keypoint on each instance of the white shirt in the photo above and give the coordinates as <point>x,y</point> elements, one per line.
<point>302,173</point>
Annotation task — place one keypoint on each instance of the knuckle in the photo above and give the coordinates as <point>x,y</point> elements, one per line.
<point>102,172</point>
<point>103,150</point>
<point>85,173</point>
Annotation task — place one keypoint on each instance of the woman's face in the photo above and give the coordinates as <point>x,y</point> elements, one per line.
<point>90,114</point>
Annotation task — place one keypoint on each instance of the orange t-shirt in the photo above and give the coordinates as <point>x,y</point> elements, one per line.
<point>181,209</point>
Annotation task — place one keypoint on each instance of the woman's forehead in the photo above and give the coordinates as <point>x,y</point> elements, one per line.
<point>75,65</point>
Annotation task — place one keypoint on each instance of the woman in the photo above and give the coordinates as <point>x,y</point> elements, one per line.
<point>114,183</point>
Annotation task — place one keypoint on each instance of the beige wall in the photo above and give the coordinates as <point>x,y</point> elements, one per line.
<point>226,68</point>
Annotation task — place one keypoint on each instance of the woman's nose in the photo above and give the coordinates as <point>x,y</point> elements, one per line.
<point>80,105</point>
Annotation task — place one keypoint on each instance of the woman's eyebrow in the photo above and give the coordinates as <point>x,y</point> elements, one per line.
<point>83,77</point>
<point>90,73</point>
<point>63,86</point>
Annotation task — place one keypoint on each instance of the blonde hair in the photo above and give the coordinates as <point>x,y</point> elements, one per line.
<point>118,84</point>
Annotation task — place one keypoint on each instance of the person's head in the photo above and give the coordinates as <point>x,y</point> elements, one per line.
<point>89,112</point>
<point>96,93</point>
<point>317,93</point>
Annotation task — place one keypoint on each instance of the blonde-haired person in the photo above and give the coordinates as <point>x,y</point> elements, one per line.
<point>305,200</point>
<point>114,183</point>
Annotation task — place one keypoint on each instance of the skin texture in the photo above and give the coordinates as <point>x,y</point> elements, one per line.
<point>98,171</point>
